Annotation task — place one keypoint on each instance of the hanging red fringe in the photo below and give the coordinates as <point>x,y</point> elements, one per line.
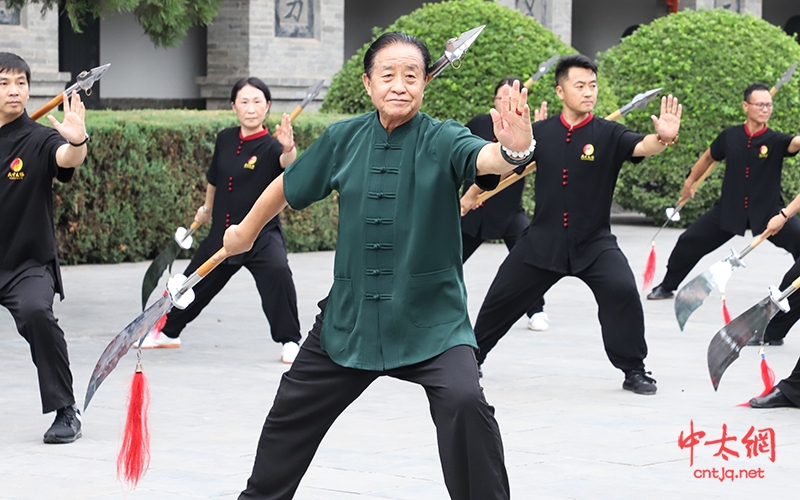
<point>134,454</point>
<point>767,376</point>
<point>726,315</point>
<point>650,268</point>
<point>156,330</point>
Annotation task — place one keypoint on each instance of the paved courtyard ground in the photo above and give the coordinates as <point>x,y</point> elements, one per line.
<point>569,430</point>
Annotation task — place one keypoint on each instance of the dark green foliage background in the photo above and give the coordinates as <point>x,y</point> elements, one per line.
<point>511,45</point>
<point>706,59</point>
<point>164,21</point>
<point>145,176</point>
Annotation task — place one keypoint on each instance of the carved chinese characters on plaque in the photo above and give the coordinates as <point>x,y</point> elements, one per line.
<point>294,18</point>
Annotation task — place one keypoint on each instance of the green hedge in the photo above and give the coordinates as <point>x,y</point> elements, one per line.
<point>145,175</point>
<point>706,59</point>
<point>512,44</point>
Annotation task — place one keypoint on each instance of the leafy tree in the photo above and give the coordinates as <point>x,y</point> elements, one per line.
<point>706,59</point>
<point>164,21</point>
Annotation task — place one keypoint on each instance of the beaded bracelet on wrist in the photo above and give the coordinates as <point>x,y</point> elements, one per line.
<point>518,158</point>
<point>664,143</point>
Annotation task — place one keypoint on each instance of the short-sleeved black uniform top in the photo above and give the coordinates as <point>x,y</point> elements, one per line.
<point>576,171</point>
<point>242,167</point>
<point>492,219</point>
<point>27,169</point>
<point>751,189</point>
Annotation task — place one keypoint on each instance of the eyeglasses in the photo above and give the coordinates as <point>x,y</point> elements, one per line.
<point>761,105</point>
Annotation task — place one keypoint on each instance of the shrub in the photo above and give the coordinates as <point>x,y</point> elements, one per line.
<point>145,175</point>
<point>511,45</point>
<point>706,59</point>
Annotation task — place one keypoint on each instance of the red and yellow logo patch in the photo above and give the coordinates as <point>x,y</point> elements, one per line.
<point>251,163</point>
<point>588,153</point>
<point>16,170</point>
<point>763,152</point>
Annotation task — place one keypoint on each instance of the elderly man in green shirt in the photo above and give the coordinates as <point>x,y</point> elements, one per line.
<point>398,304</point>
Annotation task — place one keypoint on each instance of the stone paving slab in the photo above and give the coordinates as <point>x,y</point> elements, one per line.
<point>569,430</point>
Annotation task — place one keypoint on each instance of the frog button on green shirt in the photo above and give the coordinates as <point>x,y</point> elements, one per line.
<point>398,296</point>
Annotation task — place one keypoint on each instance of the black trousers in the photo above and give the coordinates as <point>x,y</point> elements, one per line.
<point>30,302</point>
<point>513,233</point>
<point>315,391</point>
<point>782,322</point>
<point>790,386</point>
<point>270,268</point>
<point>704,236</point>
<point>609,277</point>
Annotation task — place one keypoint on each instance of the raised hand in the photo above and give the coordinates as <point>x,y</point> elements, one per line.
<point>668,124</point>
<point>73,128</point>
<point>541,113</point>
<point>284,132</point>
<point>512,118</point>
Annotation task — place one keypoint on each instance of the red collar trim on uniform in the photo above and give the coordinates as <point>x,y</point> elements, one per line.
<point>250,137</point>
<point>579,125</point>
<point>755,134</point>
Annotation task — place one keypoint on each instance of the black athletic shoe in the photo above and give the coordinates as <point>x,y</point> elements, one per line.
<point>639,382</point>
<point>660,293</point>
<point>66,427</point>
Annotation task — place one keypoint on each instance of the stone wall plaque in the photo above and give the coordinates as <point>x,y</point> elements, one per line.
<point>294,18</point>
<point>9,17</point>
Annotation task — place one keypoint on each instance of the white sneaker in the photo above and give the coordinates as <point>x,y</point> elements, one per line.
<point>157,340</point>
<point>539,322</point>
<point>289,352</point>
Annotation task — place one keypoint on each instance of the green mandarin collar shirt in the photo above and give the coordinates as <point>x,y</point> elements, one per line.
<point>398,295</point>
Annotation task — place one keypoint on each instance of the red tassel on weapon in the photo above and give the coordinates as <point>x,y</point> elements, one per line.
<point>726,315</point>
<point>134,454</point>
<point>767,376</point>
<point>650,269</point>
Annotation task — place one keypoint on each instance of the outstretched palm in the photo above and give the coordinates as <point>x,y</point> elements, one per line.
<point>512,118</point>
<point>73,128</point>
<point>669,122</point>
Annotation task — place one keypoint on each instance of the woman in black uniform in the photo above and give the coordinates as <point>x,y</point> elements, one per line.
<point>501,216</point>
<point>246,160</point>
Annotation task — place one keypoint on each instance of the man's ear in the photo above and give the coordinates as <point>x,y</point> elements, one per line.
<point>560,92</point>
<point>365,79</point>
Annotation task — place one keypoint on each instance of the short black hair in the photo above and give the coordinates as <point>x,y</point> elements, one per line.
<point>573,61</point>
<point>395,37</point>
<point>253,82</point>
<point>13,63</point>
<point>509,80</point>
<point>752,88</point>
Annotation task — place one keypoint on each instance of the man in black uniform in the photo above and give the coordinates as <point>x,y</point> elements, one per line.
<point>502,216</point>
<point>787,391</point>
<point>578,159</point>
<point>31,155</point>
<point>751,195</point>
